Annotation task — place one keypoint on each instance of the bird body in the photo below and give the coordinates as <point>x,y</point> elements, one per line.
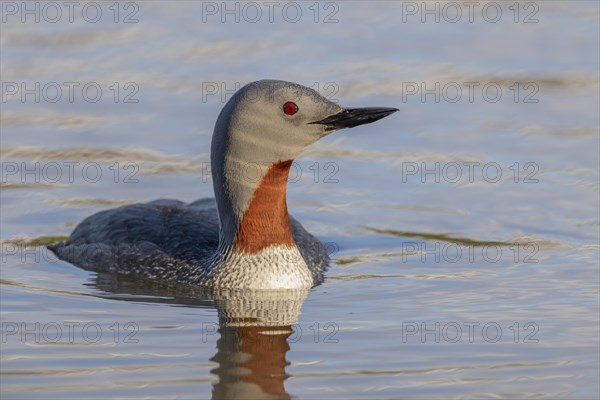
<point>244,238</point>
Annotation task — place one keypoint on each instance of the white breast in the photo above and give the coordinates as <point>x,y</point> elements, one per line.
<point>275,267</point>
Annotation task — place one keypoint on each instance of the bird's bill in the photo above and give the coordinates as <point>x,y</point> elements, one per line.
<point>351,117</point>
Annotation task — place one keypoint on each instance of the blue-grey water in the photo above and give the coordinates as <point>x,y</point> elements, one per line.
<point>464,230</point>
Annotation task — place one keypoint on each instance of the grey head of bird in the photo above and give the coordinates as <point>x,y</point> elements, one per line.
<point>259,132</point>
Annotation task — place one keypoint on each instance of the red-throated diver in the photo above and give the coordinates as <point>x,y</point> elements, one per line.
<point>244,239</point>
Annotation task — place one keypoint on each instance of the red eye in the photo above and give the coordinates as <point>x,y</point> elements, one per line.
<point>290,108</point>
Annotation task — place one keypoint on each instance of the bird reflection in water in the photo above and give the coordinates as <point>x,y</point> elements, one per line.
<point>254,328</point>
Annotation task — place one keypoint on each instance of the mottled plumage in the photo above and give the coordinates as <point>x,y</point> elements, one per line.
<point>164,239</point>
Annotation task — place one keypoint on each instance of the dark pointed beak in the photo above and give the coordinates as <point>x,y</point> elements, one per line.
<point>351,117</point>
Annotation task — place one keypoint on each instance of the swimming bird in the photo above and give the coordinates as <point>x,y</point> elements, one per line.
<point>244,238</point>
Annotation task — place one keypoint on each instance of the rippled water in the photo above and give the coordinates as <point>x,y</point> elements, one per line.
<point>473,286</point>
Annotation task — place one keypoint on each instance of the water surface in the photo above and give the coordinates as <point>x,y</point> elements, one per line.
<point>478,285</point>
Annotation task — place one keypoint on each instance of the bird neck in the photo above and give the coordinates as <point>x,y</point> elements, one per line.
<point>266,221</point>
<point>252,206</point>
